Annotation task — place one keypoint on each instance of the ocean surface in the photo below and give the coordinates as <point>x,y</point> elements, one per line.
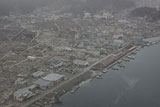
<point>136,85</point>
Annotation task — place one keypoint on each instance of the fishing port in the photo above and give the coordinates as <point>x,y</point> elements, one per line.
<point>47,53</point>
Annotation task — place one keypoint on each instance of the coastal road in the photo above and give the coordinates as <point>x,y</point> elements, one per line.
<point>70,80</point>
<point>60,85</point>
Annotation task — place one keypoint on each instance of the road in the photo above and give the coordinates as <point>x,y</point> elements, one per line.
<point>68,81</point>
<point>60,85</point>
<point>10,40</point>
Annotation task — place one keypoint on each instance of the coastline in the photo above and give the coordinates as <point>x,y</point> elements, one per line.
<point>89,75</point>
<point>73,83</point>
<point>70,84</point>
<point>133,78</point>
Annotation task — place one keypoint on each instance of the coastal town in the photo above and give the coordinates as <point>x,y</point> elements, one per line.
<point>45,54</point>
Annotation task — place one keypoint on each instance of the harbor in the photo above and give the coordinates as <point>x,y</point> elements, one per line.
<point>115,87</point>
<point>113,62</point>
<point>51,49</point>
<point>93,71</point>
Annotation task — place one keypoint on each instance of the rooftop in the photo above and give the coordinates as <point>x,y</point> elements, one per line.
<point>53,77</point>
<point>42,83</point>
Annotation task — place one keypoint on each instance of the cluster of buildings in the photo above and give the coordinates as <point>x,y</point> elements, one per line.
<point>42,83</point>
<point>43,49</point>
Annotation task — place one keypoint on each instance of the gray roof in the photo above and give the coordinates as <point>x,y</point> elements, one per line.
<point>38,74</point>
<point>42,83</point>
<point>53,77</point>
<point>20,91</point>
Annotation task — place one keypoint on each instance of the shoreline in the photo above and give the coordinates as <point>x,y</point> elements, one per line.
<point>70,84</point>
<point>126,72</point>
<point>91,76</point>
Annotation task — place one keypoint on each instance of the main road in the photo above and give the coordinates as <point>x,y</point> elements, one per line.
<point>60,85</point>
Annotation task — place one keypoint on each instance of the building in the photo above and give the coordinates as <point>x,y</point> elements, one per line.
<point>87,15</point>
<point>67,49</point>
<point>43,84</point>
<point>20,81</point>
<point>138,41</point>
<point>31,58</point>
<point>118,36</point>
<point>95,53</point>
<point>56,64</point>
<point>104,15</point>
<point>124,21</point>
<point>117,43</point>
<point>38,74</point>
<point>54,78</point>
<point>23,94</point>
<point>49,80</point>
<point>80,63</point>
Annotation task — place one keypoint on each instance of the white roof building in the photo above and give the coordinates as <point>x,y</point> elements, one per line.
<point>32,58</point>
<point>53,77</point>
<point>80,63</point>
<point>117,36</point>
<point>38,74</point>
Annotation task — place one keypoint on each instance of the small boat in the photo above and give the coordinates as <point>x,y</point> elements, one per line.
<point>124,59</point>
<point>122,66</point>
<point>138,49</point>
<point>72,91</point>
<point>100,74</point>
<point>153,43</point>
<point>104,71</point>
<point>75,89</point>
<point>57,100</point>
<point>134,52</point>
<point>99,77</point>
<point>156,42</point>
<point>131,57</point>
<point>114,68</point>
<point>119,62</point>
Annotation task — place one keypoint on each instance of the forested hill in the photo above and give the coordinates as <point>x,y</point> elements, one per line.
<point>27,6</point>
<point>149,13</point>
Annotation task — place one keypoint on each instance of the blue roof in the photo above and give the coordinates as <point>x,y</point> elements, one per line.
<point>55,62</point>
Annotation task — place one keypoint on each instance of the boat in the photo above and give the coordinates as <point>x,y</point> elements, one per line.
<point>134,52</point>
<point>138,49</point>
<point>57,100</point>
<point>119,62</point>
<point>104,71</point>
<point>114,68</point>
<point>124,59</point>
<point>74,89</point>
<point>131,57</point>
<point>100,74</point>
<point>153,43</point>
<point>120,65</point>
<point>99,77</point>
<point>156,42</point>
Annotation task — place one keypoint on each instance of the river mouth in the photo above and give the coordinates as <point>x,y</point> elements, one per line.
<point>136,85</point>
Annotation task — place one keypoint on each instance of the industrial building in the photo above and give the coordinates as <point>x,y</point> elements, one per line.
<point>23,94</point>
<point>54,78</point>
<point>50,79</point>
<point>43,84</point>
<point>38,74</point>
<point>56,64</point>
<point>80,63</point>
